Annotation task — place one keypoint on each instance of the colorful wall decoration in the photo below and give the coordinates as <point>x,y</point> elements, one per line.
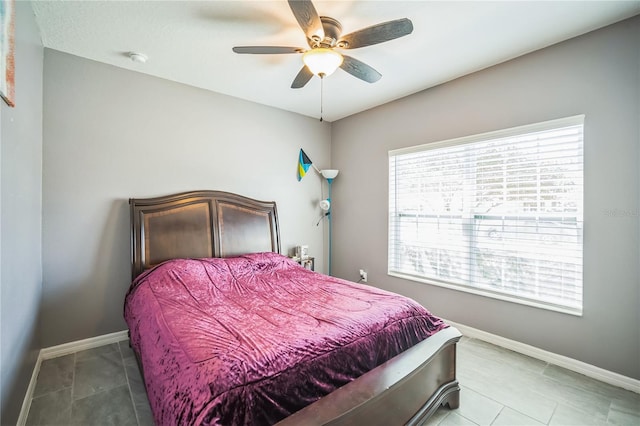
<point>7,51</point>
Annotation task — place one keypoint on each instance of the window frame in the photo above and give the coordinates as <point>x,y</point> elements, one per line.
<point>485,137</point>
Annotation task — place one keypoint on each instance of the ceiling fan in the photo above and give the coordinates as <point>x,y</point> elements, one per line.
<point>323,36</point>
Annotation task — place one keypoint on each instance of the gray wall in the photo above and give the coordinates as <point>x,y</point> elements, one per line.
<point>596,74</point>
<point>112,134</point>
<point>20,212</point>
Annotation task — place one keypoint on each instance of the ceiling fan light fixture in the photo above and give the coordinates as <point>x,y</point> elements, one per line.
<point>322,61</point>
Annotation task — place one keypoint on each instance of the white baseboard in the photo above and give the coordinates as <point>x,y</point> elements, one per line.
<point>26,403</point>
<point>61,350</point>
<point>588,370</point>
<point>81,345</point>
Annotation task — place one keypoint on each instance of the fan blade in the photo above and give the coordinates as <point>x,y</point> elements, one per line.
<point>267,50</point>
<point>302,78</point>
<point>377,33</point>
<point>307,18</point>
<point>359,69</point>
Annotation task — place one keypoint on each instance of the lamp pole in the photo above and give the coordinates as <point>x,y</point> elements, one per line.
<point>330,181</point>
<point>329,175</point>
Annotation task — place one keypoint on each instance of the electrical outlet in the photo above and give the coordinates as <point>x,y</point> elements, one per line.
<point>363,276</point>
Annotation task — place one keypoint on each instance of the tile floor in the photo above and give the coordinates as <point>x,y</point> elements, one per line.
<point>102,386</point>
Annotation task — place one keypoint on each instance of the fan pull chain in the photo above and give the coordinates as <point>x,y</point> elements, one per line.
<point>321,95</point>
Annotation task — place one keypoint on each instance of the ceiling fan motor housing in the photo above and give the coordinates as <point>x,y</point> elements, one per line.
<point>332,30</point>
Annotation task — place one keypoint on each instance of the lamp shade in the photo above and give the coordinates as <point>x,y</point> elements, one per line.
<point>322,61</point>
<point>325,204</point>
<point>329,173</point>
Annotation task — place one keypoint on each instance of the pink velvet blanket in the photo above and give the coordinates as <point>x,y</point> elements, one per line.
<point>250,340</point>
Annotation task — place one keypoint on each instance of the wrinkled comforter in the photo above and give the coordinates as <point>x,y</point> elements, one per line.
<point>252,339</point>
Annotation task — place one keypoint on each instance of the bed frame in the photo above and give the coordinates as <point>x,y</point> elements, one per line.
<point>405,390</point>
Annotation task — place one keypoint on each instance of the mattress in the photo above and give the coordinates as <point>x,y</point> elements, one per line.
<point>252,339</point>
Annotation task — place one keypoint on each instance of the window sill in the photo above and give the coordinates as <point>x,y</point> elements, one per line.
<point>490,294</point>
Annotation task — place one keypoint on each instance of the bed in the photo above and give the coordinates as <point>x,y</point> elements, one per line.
<point>224,327</point>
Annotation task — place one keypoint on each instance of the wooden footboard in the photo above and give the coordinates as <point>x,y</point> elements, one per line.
<point>405,390</point>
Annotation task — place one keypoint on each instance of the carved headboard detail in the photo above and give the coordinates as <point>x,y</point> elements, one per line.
<point>200,224</point>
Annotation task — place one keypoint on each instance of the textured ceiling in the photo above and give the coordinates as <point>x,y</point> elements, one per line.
<point>191,41</point>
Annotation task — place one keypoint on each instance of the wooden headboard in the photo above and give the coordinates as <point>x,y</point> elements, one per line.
<point>200,224</point>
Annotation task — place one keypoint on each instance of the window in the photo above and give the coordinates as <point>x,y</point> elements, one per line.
<point>497,214</point>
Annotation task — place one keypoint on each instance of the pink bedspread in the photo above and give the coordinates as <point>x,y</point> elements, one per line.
<point>252,339</point>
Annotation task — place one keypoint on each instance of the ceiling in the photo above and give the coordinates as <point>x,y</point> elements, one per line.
<point>190,42</point>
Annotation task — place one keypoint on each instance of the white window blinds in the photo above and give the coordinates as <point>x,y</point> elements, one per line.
<point>499,214</point>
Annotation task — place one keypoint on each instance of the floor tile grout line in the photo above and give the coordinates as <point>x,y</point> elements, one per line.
<point>73,386</point>
<point>98,393</point>
<point>442,419</point>
<point>553,413</point>
<point>545,377</point>
<point>556,404</point>
<point>498,415</point>
<point>126,375</point>
<point>578,388</point>
<point>581,376</point>
<point>484,396</point>
<point>467,419</point>
<point>503,406</point>
<point>489,398</point>
<point>574,407</point>
<point>106,389</point>
<point>49,393</point>
<point>609,412</point>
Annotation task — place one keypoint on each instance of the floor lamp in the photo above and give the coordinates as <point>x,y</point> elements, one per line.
<point>329,175</point>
